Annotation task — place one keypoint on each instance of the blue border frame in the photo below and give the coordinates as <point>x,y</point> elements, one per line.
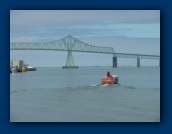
<point>166,22</point>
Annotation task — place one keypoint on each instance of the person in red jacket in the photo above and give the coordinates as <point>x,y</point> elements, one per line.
<point>109,75</point>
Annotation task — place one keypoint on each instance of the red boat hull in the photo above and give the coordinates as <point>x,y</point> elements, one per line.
<point>109,80</point>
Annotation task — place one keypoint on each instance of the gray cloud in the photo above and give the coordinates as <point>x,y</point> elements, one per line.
<point>77,22</point>
<point>59,18</point>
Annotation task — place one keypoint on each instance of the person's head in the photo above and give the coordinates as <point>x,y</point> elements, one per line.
<point>108,73</point>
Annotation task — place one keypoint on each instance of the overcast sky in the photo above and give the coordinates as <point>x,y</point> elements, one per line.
<point>127,31</point>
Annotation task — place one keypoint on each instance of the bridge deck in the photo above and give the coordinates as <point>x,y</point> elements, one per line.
<point>70,43</point>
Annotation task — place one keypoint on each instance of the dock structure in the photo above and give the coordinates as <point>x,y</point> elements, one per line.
<point>20,66</point>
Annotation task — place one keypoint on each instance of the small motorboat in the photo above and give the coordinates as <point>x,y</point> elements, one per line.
<point>109,80</point>
<point>30,68</point>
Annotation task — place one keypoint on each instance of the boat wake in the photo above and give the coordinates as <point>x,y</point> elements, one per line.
<point>104,85</point>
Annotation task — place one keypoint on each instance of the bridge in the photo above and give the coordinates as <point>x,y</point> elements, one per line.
<point>72,44</point>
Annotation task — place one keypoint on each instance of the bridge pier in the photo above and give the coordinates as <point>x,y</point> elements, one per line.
<point>114,60</point>
<point>138,62</point>
<point>70,61</point>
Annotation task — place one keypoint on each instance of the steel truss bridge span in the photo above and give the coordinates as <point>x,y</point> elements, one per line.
<point>141,56</point>
<point>68,43</point>
<point>72,44</point>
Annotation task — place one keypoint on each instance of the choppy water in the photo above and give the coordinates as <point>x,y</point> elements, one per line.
<point>76,95</point>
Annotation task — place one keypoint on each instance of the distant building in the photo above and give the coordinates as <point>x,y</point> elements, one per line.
<point>17,63</point>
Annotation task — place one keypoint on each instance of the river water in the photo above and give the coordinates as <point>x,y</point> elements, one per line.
<point>76,95</point>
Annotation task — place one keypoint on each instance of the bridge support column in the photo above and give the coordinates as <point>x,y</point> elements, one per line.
<point>70,61</point>
<point>138,62</point>
<point>114,60</point>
